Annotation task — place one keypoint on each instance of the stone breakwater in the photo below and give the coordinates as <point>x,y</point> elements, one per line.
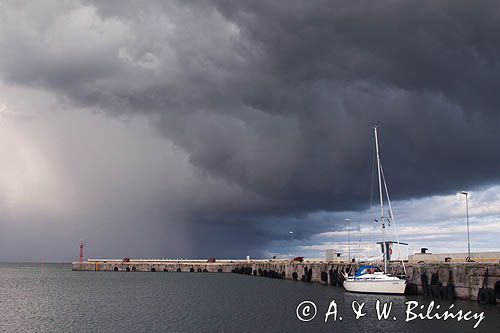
<point>468,281</point>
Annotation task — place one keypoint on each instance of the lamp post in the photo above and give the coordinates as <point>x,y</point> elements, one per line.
<point>467,216</point>
<point>291,239</point>
<point>349,237</point>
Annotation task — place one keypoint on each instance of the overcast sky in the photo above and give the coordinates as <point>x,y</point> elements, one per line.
<point>198,129</point>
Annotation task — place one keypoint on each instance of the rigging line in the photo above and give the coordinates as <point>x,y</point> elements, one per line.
<point>392,217</point>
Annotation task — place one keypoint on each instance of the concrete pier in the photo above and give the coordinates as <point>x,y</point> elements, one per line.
<point>466,277</point>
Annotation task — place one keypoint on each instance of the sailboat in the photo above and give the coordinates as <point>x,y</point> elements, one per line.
<point>369,278</point>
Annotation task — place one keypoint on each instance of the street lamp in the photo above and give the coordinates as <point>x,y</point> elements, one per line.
<point>467,214</point>
<point>291,239</point>
<point>349,237</point>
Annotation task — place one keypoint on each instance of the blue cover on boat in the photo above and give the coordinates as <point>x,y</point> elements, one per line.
<point>362,270</point>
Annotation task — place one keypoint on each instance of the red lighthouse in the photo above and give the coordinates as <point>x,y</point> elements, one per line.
<point>81,251</point>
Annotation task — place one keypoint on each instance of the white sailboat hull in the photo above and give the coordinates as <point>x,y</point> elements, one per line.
<point>396,286</point>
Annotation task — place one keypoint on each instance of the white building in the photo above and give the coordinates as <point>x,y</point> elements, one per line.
<point>333,255</point>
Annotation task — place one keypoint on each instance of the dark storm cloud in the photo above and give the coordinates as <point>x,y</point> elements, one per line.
<point>278,98</point>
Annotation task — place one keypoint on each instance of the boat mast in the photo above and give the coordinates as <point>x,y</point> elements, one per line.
<point>381,199</point>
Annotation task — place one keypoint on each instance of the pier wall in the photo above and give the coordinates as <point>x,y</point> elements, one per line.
<point>466,277</point>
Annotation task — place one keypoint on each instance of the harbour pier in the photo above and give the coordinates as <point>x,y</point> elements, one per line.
<point>461,280</point>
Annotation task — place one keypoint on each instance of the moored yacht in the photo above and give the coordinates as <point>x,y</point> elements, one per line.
<point>371,279</point>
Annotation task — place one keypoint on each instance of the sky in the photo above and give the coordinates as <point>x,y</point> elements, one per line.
<point>223,129</point>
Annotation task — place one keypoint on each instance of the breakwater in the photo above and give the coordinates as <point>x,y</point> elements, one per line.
<point>440,280</point>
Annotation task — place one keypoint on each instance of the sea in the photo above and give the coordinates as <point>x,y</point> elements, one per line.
<point>53,298</point>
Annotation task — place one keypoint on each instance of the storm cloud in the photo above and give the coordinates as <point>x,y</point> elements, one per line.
<point>275,100</point>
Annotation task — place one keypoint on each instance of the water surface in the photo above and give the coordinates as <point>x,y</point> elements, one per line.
<point>53,298</point>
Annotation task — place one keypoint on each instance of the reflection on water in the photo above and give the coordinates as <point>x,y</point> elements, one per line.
<point>53,298</point>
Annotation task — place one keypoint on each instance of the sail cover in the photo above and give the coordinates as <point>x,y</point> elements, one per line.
<point>362,270</point>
